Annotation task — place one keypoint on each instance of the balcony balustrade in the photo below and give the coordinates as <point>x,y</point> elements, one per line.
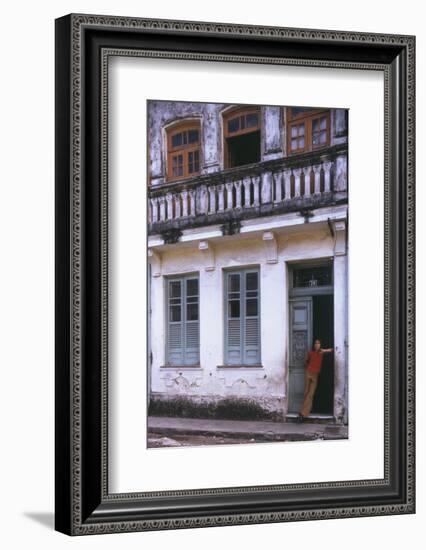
<point>265,188</point>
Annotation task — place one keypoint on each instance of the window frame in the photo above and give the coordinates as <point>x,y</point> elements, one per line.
<point>242,271</point>
<point>307,118</point>
<point>184,149</point>
<point>183,318</point>
<point>232,113</point>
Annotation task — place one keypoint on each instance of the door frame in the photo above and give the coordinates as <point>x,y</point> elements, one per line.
<point>301,293</point>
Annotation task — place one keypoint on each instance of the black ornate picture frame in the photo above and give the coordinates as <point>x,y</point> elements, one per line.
<point>84,43</point>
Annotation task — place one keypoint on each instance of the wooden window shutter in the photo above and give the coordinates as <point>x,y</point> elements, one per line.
<point>251,318</point>
<point>242,346</point>
<point>183,345</point>
<point>174,322</point>
<point>192,325</point>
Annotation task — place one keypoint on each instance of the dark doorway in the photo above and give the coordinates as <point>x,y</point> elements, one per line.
<point>243,149</point>
<point>323,328</point>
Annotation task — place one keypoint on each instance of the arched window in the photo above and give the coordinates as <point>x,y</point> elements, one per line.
<point>183,150</point>
<point>241,128</point>
<point>307,129</point>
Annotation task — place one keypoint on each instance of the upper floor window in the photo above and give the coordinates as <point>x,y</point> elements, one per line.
<point>241,136</point>
<point>183,150</point>
<point>307,129</point>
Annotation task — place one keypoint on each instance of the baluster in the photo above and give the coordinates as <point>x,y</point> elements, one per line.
<point>221,197</point>
<point>184,195</point>
<point>297,173</point>
<point>162,202</point>
<point>169,199</point>
<point>266,187</point>
<point>317,172</point>
<point>307,172</point>
<point>212,202</point>
<point>246,183</point>
<point>327,176</point>
<point>229,187</point>
<point>278,177</point>
<point>287,184</point>
<point>192,193</point>
<point>202,202</point>
<point>154,205</point>
<point>177,205</point>
<point>256,182</point>
<point>238,197</point>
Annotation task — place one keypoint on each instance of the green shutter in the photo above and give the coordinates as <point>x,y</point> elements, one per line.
<point>242,320</point>
<point>192,325</point>
<point>251,318</point>
<point>183,345</point>
<point>174,322</point>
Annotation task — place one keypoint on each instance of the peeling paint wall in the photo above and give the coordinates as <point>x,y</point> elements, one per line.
<point>213,381</point>
<point>164,113</point>
<point>283,238</point>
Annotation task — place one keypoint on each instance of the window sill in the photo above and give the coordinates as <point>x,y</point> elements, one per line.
<point>181,367</point>
<point>260,367</point>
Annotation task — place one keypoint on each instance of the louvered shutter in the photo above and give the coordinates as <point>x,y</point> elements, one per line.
<point>242,318</point>
<point>192,325</point>
<point>233,319</point>
<point>183,340</point>
<point>251,318</point>
<point>175,342</point>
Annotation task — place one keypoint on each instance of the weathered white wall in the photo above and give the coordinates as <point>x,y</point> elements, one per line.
<point>164,113</point>
<point>211,381</point>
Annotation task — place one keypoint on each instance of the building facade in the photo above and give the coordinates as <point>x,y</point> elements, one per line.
<point>247,246</point>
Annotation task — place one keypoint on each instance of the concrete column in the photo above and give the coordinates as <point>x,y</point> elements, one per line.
<point>272,133</point>
<point>340,324</point>
<point>157,332</point>
<point>274,332</point>
<point>211,326</point>
<point>211,138</point>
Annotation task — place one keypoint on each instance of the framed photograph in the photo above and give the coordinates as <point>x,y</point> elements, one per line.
<point>234,274</point>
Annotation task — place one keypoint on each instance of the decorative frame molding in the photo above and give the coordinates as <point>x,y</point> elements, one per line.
<point>84,43</point>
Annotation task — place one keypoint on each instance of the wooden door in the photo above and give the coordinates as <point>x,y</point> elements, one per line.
<point>300,341</point>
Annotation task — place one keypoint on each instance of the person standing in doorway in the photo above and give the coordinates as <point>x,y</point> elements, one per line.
<point>313,364</point>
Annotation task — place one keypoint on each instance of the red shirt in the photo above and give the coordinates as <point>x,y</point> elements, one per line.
<point>315,361</point>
